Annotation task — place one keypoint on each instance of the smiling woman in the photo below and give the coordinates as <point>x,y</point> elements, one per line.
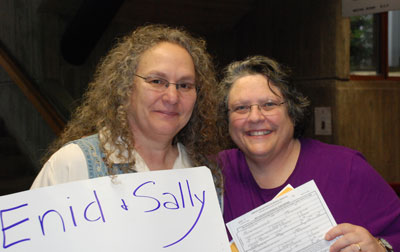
<point>132,119</point>
<point>158,112</point>
<point>264,115</point>
<point>259,132</point>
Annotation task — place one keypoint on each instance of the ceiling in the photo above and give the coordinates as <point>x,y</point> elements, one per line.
<point>88,19</point>
<point>199,15</point>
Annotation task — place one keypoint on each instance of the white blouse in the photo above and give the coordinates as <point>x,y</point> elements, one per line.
<point>69,164</point>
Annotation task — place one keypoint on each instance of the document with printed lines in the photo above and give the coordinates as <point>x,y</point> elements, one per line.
<point>295,221</point>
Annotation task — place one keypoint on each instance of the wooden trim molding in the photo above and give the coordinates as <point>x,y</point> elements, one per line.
<point>49,114</point>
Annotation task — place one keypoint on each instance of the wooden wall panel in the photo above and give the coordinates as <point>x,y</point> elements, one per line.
<point>305,39</point>
<point>368,119</point>
<point>365,115</point>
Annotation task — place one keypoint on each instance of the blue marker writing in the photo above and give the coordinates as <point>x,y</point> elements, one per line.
<point>41,219</point>
<point>98,205</point>
<point>195,222</point>
<point>136,195</point>
<point>4,229</point>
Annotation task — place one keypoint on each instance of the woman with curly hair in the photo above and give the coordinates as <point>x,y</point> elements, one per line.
<point>148,108</point>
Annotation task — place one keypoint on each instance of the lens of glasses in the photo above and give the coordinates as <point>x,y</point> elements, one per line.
<point>162,84</point>
<point>265,108</point>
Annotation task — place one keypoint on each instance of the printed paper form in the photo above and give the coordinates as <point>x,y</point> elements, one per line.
<point>286,189</point>
<point>296,221</point>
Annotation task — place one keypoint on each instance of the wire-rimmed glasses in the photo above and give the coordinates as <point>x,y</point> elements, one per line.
<point>161,84</point>
<point>266,108</point>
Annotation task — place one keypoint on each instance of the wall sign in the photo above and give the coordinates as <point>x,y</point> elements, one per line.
<point>364,7</point>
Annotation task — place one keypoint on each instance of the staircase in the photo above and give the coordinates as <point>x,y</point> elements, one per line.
<point>16,170</point>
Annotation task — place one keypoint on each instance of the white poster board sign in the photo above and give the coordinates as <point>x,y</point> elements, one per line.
<point>364,7</point>
<point>174,210</point>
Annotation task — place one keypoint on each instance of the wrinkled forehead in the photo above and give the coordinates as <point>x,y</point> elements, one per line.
<point>167,58</point>
<point>255,85</point>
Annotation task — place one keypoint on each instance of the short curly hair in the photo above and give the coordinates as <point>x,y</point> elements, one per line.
<point>278,76</point>
<point>106,102</point>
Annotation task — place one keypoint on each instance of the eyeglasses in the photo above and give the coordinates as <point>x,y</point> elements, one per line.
<point>265,108</point>
<point>161,84</point>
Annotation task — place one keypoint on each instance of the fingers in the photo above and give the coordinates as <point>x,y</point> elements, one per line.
<point>338,230</point>
<point>347,241</point>
<point>357,246</point>
<point>346,244</point>
<point>352,248</point>
<point>351,238</point>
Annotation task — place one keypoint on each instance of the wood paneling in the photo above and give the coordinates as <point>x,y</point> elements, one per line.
<point>365,117</point>
<point>368,119</point>
<point>365,114</point>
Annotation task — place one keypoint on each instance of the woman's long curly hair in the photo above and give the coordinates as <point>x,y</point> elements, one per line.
<point>106,102</point>
<point>278,76</point>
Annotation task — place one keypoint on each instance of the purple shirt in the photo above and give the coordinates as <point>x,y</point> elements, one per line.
<point>353,190</point>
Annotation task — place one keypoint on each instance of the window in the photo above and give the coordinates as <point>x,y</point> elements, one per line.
<point>394,43</point>
<point>375,46</point>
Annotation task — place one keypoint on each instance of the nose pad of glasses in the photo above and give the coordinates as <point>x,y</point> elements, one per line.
<point>170,94</point>
<point>258,112</point>
<point>169,84</point>
<point>255,105</point>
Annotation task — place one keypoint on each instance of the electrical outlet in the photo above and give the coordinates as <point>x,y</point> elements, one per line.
<point>323,120</point>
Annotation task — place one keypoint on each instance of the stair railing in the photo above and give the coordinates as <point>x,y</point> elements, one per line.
<point>46,110</point>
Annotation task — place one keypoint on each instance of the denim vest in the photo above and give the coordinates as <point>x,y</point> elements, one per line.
<point>94,157</point>
<point>96,166</point>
